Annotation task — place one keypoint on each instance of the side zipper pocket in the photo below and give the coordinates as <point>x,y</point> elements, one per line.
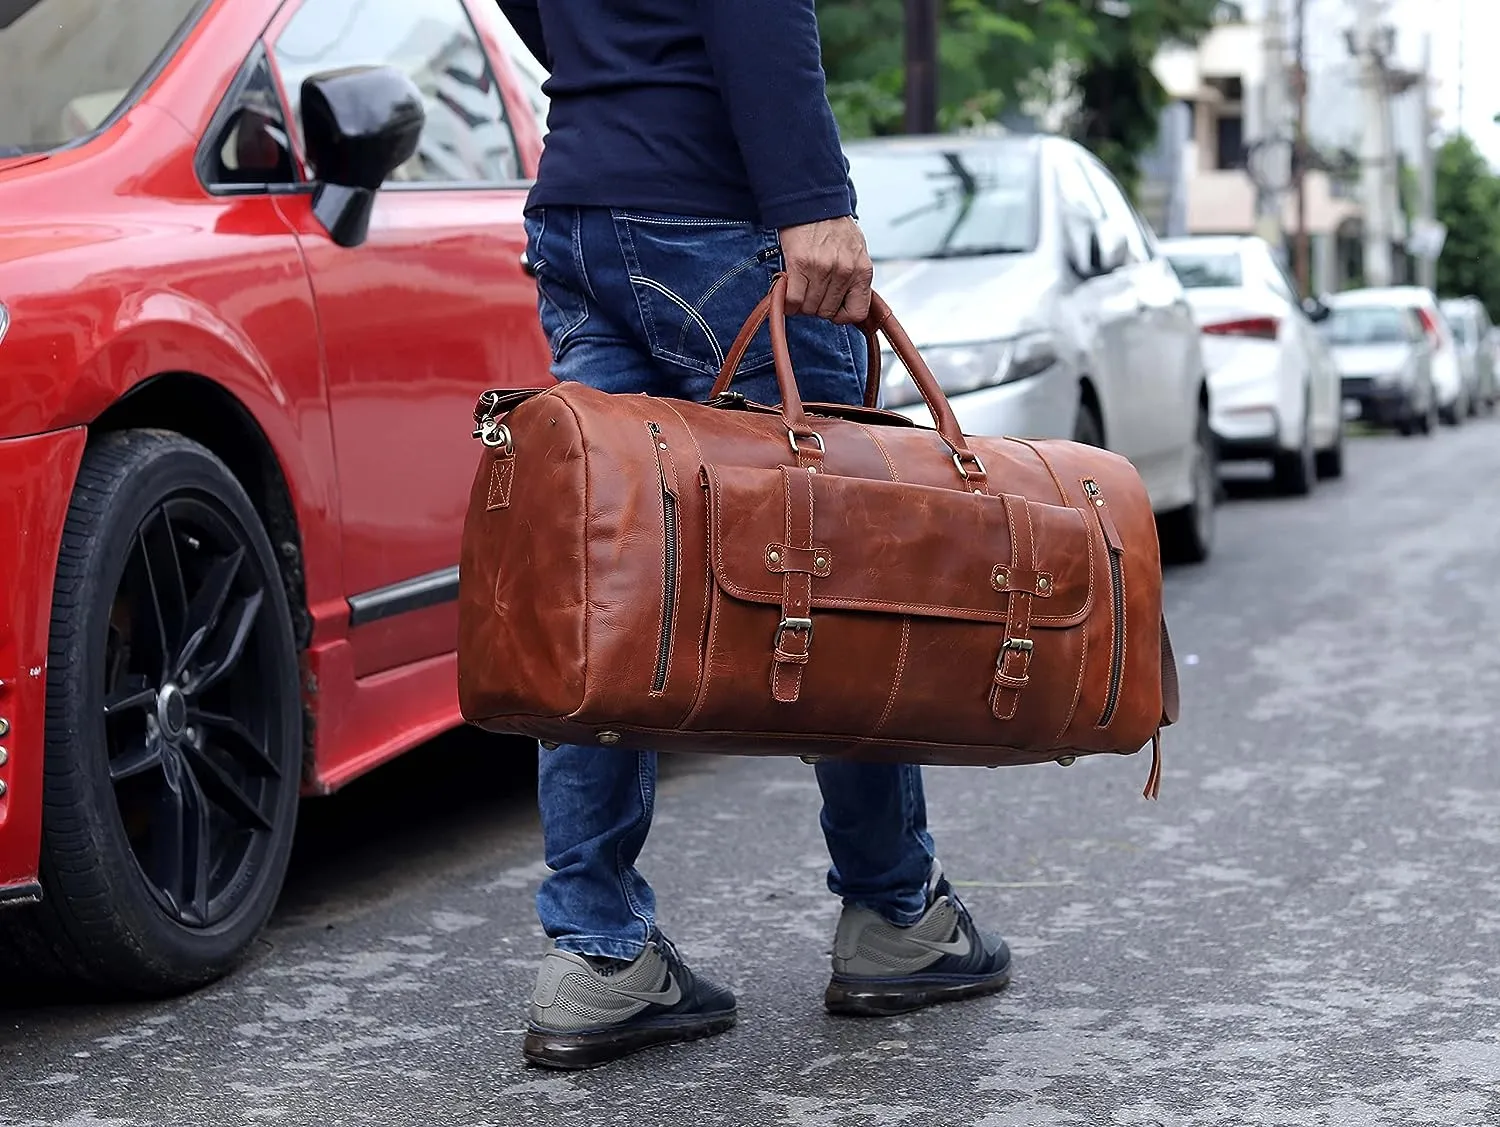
<point>1117,598</point>
<point>671,559</point>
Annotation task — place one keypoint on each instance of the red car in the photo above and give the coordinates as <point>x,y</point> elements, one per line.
<point>257,259</point>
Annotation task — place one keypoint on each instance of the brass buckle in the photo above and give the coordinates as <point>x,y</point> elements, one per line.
<point>794,625</point>
<point>1020,645</point>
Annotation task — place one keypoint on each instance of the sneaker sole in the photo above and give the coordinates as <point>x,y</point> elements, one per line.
<point>867,997</point>
<point>574,1052</point>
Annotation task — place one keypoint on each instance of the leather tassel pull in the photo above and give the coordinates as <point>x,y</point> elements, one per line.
<point>1153,781</point>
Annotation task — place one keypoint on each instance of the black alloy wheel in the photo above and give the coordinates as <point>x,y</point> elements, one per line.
<point>174,725</point>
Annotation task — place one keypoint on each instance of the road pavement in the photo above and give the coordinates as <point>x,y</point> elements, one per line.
<point>1305,930</point>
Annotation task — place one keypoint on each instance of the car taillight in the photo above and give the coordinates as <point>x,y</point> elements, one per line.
<point>1429,326</point>
<point>1261,328</point>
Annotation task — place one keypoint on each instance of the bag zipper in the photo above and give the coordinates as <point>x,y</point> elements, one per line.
<point>1117,597</point>
<point>669,569</point>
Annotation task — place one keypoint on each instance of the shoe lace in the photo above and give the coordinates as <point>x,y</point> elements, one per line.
<point>965,922</point>
<point>673,958</point>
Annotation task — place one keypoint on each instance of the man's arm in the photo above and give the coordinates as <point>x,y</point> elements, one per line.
<point>525,19</point>
<point>768,61</point>
<point>766,56</point>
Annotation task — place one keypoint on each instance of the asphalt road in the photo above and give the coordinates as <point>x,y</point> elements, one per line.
<point>1304,931</point>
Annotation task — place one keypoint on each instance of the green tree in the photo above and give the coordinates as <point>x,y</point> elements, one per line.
<point>1120,98</point>
<point>996,53</point>
<point>1467,202</point>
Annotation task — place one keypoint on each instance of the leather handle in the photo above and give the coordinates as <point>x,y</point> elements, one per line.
<point>736,354</point>
<point>881,321</point>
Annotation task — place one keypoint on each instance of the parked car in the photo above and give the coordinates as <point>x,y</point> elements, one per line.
<point>256,259</point>
<point>1044,307</point>
<point>1471,330</point>
<point>1273,384</point>
<point>1447,370</point>
<point>1384,354</point>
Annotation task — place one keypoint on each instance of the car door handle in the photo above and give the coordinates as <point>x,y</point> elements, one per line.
<point>526,265</point>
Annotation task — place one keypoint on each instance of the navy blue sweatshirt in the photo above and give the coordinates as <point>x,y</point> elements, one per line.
<point>713,108</point>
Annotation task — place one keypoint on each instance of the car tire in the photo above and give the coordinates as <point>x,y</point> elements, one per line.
<point>1453,415</point>
<point>1428,421</point>
<point>1295,472</point>
<point>1087,428</point>
<point>173,726</point>
<point>1331,461</point>
<point>1187,533</point>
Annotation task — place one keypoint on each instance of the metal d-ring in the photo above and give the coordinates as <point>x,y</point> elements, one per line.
<point>792,436</point>
<point>496,436</point>
<point>958,460</point>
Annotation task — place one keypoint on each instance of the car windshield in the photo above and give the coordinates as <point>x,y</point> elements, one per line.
<point>1199,271</point>
<point>947,203</point>
<point>67,65</point>
<point>1367,324</point>
<point>1458,318</point>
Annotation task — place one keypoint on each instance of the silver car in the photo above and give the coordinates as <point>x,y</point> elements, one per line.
<point>1384,356</point>
<point>1044,307</point>
<point>1471,329</point>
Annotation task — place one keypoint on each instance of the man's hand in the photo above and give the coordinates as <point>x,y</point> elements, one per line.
<point>828,270</point>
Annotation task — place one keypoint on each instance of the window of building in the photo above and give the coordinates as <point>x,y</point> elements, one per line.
<point>1229,142</point>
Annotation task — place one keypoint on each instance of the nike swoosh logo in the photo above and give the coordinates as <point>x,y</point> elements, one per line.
<point>668,997</point>
<point>960,946</point>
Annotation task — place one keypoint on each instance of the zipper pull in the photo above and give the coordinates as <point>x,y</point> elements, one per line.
<point>1106,522</point>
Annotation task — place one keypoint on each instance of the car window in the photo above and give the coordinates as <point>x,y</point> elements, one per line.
<point>1460,318</point>
<point>1370,324</point>
<point>66,66</point>
<point>1273,274</point>
<point>1197,270</point>
<point>1074,187</point>
<point>1118,212</point>
<point>530,73</point>
<point>950,202</point>
<point>467,138</point>
<point>248,146</point>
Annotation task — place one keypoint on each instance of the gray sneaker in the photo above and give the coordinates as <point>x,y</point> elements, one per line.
<point>880,969</point>
<point>587,1012</point>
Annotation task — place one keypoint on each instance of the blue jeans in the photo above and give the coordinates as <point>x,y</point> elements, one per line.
<point>632,302</point>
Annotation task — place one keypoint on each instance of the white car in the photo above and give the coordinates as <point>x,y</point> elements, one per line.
<point>1273,384</point>
<point>1042,305</point>
<point>1447,367</point>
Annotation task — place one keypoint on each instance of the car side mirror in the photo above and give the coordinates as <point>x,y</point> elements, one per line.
<point>1317,312</point>
<point>1108,250</point>
<point>361,124</point>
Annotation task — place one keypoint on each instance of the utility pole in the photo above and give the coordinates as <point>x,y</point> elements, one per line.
<point>1272,177</point>
<point>1370,41</point>
<point>1301,153</point>
<point>1427,182</point>
<point>1463,56</point>
<point>921,66</point>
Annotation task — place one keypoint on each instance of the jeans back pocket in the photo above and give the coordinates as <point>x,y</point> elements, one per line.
<point>695,281</point>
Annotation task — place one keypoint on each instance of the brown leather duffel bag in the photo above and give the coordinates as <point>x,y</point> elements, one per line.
<point>807,579</point>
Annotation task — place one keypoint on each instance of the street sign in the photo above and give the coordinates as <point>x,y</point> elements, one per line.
<point>1427,238</point>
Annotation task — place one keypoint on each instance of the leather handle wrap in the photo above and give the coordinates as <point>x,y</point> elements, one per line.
<point>881,321</point>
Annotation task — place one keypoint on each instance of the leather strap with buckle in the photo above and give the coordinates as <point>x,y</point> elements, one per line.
<point>792,644</point>
<point>1012,667</point>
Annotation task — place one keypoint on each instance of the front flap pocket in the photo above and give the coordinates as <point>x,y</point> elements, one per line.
<point>892,548</point>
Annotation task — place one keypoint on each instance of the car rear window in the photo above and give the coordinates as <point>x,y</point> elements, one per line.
<point>1461,317</point>
<point>1207,271</point>
<point>1368,324</point>
<point>66,66</point>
